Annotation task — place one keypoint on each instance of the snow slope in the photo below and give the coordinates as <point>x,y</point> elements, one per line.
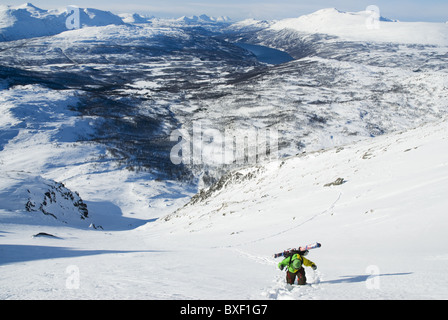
<point>203,18</point>
<point>382,231</point>
<point>366,26</point>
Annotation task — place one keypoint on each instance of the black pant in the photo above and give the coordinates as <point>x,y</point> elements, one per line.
<point>301,278</point>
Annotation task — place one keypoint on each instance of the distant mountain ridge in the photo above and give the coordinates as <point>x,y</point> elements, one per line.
<point>28,21</point>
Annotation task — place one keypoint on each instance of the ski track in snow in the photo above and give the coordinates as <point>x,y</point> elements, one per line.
<point>326,211</point>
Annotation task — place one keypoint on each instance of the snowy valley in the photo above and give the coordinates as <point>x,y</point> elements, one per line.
<point>92,205</point>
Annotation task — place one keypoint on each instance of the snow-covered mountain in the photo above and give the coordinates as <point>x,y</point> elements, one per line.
<point>366,26</point>
<point>135,18</point>
<point>382,231</point>
<point>28,21</point>
<point>203,18</point>
<point>87,118</point>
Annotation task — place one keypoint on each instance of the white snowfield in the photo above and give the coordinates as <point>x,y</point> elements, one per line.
<point>383,233</point>
<point>367,26</point>
<point>377,206</point>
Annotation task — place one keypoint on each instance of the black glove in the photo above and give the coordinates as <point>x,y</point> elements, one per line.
<point>314,267</point>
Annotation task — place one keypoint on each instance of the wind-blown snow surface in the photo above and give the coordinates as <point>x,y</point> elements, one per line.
<point>383,234</point>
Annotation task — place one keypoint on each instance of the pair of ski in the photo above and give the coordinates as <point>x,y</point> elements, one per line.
<point>299,249</point>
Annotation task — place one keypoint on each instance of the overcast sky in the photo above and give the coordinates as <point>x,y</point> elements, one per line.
<point>410,10</point>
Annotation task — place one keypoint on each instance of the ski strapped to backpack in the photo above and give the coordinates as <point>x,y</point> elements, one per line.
<point>299,250</point>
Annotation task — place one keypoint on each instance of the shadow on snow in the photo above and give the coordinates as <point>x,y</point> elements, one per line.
<point>363,278</point>
<point>12,253</point>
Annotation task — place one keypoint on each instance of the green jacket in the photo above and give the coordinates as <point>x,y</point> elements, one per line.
<point>287,262</point>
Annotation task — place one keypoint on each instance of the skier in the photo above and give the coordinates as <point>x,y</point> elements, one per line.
<point>295,264</point>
